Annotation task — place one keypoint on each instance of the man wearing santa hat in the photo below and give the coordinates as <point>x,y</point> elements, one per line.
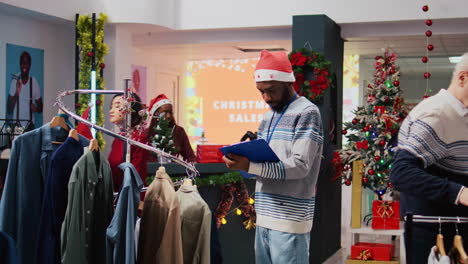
<point>161,105</point>
<point>285,190</point>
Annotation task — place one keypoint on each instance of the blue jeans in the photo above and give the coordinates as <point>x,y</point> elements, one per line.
<point>275,247</point>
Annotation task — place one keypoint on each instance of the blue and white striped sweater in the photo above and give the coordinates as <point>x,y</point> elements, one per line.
<point>285,190</point>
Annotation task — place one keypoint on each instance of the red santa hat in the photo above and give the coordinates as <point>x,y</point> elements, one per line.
<point>83,129</point>
<point>274,66</point>
<point>157,102</point>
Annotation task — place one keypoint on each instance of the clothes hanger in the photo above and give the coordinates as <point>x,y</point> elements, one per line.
<point>458,245</point>
<point>188,180</point>
<point>59,121</point>
<point>93,145</point>
<point>440,241</point>
<point>73,134</point>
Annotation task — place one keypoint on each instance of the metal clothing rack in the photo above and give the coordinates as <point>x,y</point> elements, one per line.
<point>410,219</point>
<point>129,141</point>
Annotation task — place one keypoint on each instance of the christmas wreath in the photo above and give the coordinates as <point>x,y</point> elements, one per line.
<point>305,61</point>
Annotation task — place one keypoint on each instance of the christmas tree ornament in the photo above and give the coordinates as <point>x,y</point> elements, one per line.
<point>377,57</point>
<point>90,54</point>
<point>392,71</point>
<point>344,131</point>
<point>365,179</point>
<point>427,75</point>
<point>354,121</point>
<point>377,158</point>
<point>382,143</point>
<point>371,172</point>
<point>388,83</point>
<point>366,129</point>
<point>103,65</point>
<point>347,182</point>
<point>430,47</point>
<point>390,185</point>
<point>424,59</point>
<point>425,8</point>
<point>428,33</point>
<point>396,83</point>
<point>429,22</point>
<point>369,86</point>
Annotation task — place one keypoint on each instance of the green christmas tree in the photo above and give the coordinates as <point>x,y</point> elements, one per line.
<point>163,138</point>
<point>372,134</point>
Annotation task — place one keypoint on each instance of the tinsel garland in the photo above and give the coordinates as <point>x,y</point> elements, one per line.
<point>84,42</point>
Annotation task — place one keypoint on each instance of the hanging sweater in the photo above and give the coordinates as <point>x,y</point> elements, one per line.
<point>431,167</point>
<point>285,190</point>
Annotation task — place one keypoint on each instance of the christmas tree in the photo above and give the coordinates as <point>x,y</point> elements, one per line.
<point>372,134</point>
<point>163,138</point>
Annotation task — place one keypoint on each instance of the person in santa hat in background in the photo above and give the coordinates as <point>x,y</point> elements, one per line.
<point>139,156</point>
<point>161,105</point>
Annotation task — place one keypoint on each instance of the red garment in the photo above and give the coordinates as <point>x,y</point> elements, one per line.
<point>139,159</point>
<point>182,143</point>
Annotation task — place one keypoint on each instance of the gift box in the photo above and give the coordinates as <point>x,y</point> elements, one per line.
<point>385,215</point>
<point>209,154</point>
<point>372,251</point>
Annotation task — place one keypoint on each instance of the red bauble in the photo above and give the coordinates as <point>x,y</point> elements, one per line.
<point>426,96</point>
<point>424,59</point>
<point>344,131</point>
<point>428,33</point>
<point>371,172</point>
<point>369,85</point>
<point>429,22</point>
<point>98,102</point>
<point>347,182</point>
<point>427,75</point>
<point>366,129</point>
<point>377,158</point>
<point>387,100</point>
<point>365,179</point>
<point>392,71</point>
<point>394,131</point>
<point>354,121</point>
<point>382,143</point>
<point>425,8</point>
<point>77,105</point>
<point>390,185</point>
<point>377,57</point>
<point>90,54</point>
<point>430,47</point>
<point>103,65</point>
<point>396,83</point>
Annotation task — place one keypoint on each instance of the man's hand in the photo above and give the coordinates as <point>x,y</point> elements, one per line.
<point>237,162</point>
<point>463,200</point>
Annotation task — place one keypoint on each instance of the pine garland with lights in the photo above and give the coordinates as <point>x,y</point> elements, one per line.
<point>372,134</point>
<point>84,42</point>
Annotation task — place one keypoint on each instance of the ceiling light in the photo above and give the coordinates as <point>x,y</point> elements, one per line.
<point>455,59</point>
<point>260,49</point>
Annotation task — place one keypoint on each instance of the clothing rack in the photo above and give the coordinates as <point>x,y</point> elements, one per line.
<point>130,141</point>
<point>410,219</point>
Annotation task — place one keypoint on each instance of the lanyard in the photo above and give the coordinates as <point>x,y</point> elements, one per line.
<point>269,136</point>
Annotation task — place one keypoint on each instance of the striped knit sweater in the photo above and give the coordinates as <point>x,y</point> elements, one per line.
<point>431,167</point>
<point>285,190</point>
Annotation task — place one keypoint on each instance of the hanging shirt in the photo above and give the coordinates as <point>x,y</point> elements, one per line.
<point>160,238</point>
<point>8,251</point>
<point>121,231</point>
<point>55,200</point>
<point>21,203</point>
<point>435,258</point>
<point>89,211</point>
<point>196,225</point>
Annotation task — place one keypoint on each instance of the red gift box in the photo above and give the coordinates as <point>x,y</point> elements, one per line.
<point>209,154</point>
<point>385,215</point>
<point>372,251</point>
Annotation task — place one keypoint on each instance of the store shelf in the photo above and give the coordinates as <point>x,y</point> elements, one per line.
<point>371,231</point>
<point>357,261</point>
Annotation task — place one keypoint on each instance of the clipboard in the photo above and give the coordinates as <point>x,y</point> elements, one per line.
<point>256,150</point>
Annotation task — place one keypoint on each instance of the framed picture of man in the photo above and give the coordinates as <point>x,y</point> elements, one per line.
<point>24,91</point>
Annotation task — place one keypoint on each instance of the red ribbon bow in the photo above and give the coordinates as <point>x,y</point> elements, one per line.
<point>381,108</point>
<point>365,255</point>
<point>385,209</point>
<point>362,145</point>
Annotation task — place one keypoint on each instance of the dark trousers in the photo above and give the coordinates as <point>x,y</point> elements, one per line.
<point>423,238</point>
